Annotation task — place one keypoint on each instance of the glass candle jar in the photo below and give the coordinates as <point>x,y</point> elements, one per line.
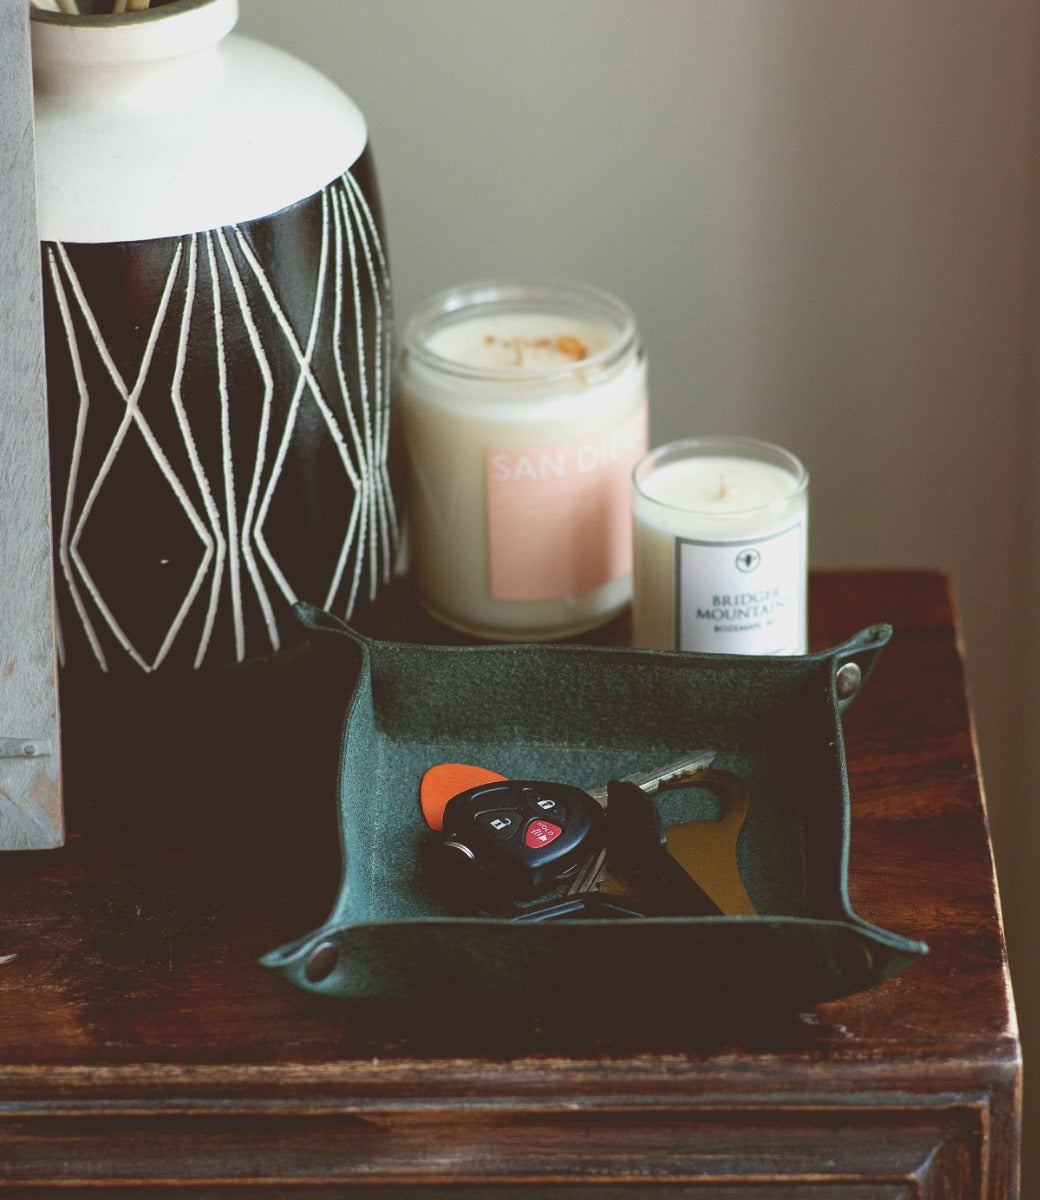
<point>720,528</point>
<point>523,409</point>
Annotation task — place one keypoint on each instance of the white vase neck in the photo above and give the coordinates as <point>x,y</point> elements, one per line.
<point>64,44</point>
<point>158,124</point>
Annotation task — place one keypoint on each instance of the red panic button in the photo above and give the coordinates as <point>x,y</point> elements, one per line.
<point>541,833</point>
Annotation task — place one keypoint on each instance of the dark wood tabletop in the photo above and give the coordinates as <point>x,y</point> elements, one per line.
<point>142,1045</point>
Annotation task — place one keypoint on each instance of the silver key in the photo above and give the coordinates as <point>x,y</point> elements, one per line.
<point>680,771</point>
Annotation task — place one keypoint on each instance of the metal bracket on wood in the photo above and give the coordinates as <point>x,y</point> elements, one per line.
<point>25,748</point>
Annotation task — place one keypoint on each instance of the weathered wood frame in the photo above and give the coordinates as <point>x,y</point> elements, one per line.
<point>30,765</point>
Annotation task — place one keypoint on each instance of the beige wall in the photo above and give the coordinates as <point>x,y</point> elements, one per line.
<point>823,216</point>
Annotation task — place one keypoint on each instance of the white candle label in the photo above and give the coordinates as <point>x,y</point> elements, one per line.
<point>558,516</point>
<point>741,597</point>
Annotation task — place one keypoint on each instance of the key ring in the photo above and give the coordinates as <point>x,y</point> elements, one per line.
<point>506,842</point>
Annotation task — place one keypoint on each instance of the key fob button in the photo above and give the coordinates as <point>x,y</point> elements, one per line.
<point>500,822</point>
<point>490,796</point>
<point>542,805</point>
<point>540,833</point>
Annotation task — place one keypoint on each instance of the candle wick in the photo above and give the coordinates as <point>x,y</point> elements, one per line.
<point>723,488</point>
<point>519,344</point>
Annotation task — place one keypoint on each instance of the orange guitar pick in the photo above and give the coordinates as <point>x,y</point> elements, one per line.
<point>445,780</point>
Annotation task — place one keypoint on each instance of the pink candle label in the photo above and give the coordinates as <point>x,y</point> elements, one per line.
<point>559,519</point>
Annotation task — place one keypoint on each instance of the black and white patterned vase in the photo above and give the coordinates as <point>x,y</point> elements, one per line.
<point>218,329</point>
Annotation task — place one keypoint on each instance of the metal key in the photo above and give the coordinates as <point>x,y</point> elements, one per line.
<point>680,771</point>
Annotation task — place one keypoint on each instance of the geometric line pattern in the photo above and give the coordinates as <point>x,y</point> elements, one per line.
<point>255,380</point>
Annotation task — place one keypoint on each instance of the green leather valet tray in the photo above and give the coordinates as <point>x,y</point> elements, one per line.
<point>583,715</point>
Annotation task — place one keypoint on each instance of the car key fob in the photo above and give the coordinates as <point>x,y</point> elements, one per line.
<point>512,840</point>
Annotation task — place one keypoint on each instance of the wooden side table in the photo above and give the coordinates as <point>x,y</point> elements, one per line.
<point>144,1053</point>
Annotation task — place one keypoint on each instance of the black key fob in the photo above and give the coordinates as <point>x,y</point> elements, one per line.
<point>510,841</point>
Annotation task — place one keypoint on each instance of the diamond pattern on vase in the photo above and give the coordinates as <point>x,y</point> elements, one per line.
<point>219,410</point>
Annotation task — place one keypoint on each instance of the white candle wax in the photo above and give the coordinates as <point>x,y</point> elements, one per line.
<point>523,415</point>
<point>720,528</point>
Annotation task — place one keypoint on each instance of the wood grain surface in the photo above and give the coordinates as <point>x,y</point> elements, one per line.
<point>142,1047</point>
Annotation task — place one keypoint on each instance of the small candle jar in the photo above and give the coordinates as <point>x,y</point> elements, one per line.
<point>523,409</point>
<point>720,529</point>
